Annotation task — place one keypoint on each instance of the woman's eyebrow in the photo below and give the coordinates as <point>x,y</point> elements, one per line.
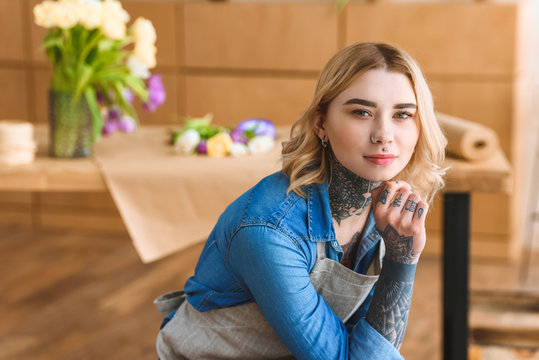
<point>405,106</point>
<point>360,102</point>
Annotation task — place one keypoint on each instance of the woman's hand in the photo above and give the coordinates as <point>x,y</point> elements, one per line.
<point>400,218</point>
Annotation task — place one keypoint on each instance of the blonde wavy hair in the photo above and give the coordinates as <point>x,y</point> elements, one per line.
<point>304,159</point>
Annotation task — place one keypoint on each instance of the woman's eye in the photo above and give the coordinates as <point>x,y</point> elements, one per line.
<point>362,113</point>
<point>404,115</point>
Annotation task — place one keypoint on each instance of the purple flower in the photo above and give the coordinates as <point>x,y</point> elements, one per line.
<point>238,136</point>
<point>128,95</point>
<point>113,114</point>
<point>250,128</point>
<point>156,93</point>
<point>109,127</point>
<point>202,147</point>
<point>127,124</point>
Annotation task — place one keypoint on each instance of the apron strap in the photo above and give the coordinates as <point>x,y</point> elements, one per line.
<point>321,250</point>
<point>169,302</point>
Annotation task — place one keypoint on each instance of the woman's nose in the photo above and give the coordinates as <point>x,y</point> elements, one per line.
<point>382,133</point>
<point>381,139</point>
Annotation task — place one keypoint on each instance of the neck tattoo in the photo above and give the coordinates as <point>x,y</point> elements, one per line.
<point>349,194</point>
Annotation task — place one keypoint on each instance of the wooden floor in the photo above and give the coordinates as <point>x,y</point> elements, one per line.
<point>86,295</point>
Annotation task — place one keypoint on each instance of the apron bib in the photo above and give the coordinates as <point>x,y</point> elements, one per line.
<point>242,332</point>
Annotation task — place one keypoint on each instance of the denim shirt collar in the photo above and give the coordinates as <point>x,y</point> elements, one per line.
<point>320,222</point>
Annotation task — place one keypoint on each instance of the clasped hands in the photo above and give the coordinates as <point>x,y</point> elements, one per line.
<point>400,215</point>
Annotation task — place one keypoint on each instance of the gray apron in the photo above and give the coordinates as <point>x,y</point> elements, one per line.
<point>242,332</point>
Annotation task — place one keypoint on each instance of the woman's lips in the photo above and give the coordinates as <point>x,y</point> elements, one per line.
<point>381,159</point>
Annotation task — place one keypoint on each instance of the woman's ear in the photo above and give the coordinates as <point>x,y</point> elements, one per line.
<point>320,126</point>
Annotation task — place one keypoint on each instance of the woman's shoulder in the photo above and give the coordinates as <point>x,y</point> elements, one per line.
<point>269,200</point>
<point>269,204</point>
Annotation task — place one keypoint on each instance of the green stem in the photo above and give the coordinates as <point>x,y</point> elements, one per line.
<point>86,51</point>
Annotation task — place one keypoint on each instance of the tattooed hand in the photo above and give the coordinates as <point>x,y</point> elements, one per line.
<point>400,218</point>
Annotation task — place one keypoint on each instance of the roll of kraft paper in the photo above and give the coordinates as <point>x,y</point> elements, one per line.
<point>467,139</point>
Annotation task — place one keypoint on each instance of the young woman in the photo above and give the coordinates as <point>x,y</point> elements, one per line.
<point>318,260</point>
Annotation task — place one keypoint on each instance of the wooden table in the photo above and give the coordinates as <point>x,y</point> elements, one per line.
<point>463,177</point>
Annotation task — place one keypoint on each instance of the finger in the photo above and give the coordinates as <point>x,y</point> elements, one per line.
<point>410,205</point>
<point>394,188</point>
<point>409,209</point>
<point>375,194</point>
<point>421,212</point>
<point>387,193</point>
<point>397,204</point>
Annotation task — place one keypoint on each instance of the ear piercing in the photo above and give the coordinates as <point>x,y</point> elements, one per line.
<point>324,144</point>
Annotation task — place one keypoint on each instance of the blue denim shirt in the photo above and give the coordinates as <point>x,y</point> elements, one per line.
<point>263,248</point>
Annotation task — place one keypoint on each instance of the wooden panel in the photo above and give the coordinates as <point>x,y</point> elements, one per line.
<point>12,31</point>
<point>487,246</point>
<point>90,211</point>
<point>74,218</point>
<point>15,197</point>
<point>232,99</point>
<point>15,215</point>
<point>37,33</point>
<point>163,16</point>
<point>180,33</point>
<point>41,79</point>
<point>279,35</point>
<point>487,102</point>
<point>445,38</point>
<point>93,200</point>
<point>13,98</point>
<point>490,214</point>
<point>15,208</point>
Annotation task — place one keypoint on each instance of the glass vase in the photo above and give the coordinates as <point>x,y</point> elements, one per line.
<point>71,134</point>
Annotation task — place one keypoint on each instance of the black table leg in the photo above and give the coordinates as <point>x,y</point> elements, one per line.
<point>455,275</point>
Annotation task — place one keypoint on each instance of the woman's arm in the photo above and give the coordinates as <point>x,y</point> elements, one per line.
<point>274,269</point>
<point>401,214</point>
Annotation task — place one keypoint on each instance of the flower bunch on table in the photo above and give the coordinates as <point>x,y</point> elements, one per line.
<point>96,55</point>
<point>198,136</point>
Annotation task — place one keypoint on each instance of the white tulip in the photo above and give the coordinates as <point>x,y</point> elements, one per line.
<point>187,142</point>
<point>238,149</point>
<point>145,37</point>
<point>113,28</point>
<point>146,54</point>
<point>92,14</point>
<point>114,18</point>
<point>42,14</point>
<point>260,144</point>
<point>144,31</point>
<point>137,68</point>
<point>113,9</point>
<point>64,15</point>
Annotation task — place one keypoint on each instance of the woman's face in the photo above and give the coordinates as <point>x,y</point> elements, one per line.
<point>373,126</point>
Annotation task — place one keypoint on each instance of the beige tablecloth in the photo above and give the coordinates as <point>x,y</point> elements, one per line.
<point>170,201</point>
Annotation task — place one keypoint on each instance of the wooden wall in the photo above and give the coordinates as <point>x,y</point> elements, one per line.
<point>261,59</point>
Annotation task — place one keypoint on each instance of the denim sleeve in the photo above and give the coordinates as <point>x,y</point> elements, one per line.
<point>274,269</point>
